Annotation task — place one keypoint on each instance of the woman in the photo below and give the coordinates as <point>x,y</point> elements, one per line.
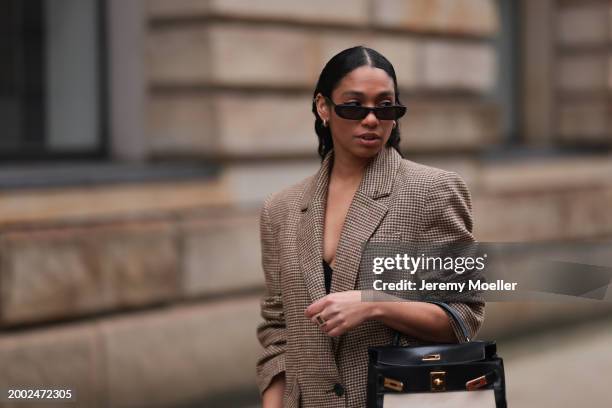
<point>316,329</point>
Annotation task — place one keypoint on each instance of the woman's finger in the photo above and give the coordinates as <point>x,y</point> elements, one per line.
<point>316,307</point>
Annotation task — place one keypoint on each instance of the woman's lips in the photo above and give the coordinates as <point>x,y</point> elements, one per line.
<point>368,139</point>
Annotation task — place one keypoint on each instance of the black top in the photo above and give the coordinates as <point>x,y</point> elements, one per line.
<point>327,270</point>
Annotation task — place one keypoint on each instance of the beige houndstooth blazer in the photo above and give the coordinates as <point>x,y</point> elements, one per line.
<point>397,199</point>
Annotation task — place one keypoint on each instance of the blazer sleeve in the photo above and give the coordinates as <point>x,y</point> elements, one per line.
<point>448,218</point>
<point>271,332</point>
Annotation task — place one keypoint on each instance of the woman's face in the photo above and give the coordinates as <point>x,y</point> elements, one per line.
<point>363,138</point>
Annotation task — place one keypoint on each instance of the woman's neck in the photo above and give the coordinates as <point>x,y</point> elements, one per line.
<point>348,169</point>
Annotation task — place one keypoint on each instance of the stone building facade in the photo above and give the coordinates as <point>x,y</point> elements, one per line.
<point>134,276</point>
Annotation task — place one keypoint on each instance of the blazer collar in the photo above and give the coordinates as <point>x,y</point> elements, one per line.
<point>376,183</point>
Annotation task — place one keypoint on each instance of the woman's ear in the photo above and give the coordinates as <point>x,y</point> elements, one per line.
<point>322,107</point>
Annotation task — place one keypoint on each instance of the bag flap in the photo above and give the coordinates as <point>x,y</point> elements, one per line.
<point>432,354</point>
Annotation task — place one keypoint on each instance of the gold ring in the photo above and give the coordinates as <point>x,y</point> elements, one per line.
<point>320,320</point>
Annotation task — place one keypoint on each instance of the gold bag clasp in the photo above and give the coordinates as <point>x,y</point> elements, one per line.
<point>437,380</point>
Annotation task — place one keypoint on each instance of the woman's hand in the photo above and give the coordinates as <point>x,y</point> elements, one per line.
<point>341,311</point>
<point>273,395</point>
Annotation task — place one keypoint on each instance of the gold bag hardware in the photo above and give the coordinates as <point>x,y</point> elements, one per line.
<point>431,357</point>
<point>437,380</point>
<point>393,384</point>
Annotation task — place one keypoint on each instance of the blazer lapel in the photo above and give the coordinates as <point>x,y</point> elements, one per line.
<point>365,214</point>
<point>310,231</point>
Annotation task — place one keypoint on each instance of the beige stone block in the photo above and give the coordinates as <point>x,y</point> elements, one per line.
<point>404,54</point>
<point>250,183</point>
<point>142,264</point>
<point>254,125</point>
<point>557,175</point>
<point>517,219</point>
<point>221,255</point>
<point>444,126</point>
<point>239,55</point>
<point>179,55</point>
<point>331,42</point>
<point>572,214</point>
<point>584,73</point>
<point>56,358</point>
<point>181,355</point>
<point>314,11</point>
<point>583,23</point>
<point>478,17</point>
<point>243,55</point>
<point>236,55</point>
<point>181,123</point>
<point>73,272</point>
<point>123,201</point>
<point>581,122</point>
<point>50,277</point>
<point>588,213</point>
<point>462,66</point>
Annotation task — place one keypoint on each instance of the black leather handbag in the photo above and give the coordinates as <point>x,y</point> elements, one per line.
<point>438,375</point>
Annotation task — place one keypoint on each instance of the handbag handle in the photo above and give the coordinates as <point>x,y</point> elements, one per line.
<point>452,312</point>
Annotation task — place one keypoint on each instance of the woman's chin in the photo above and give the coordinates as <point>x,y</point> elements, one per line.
<point>367,152</point>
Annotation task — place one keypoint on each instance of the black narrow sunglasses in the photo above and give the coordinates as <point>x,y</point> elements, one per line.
<point>354,112</point>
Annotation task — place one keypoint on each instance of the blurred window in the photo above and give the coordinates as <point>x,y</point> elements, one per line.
<point>51,79</point>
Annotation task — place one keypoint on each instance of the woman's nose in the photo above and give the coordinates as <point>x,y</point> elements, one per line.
<point>370,119</point>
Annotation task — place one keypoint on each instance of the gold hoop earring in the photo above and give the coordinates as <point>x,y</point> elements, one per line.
<point>324,123</point>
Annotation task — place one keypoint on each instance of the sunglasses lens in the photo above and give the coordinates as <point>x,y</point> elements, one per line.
<point>351,112</point>
<point>359,112</point>
<point>400,111</point>
<point>390,112</point>
<point>386,113</point>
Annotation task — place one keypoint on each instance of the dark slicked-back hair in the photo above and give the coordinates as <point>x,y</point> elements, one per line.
<point>333,72</point>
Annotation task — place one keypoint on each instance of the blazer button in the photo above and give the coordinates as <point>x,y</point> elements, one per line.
<point>338,389</point>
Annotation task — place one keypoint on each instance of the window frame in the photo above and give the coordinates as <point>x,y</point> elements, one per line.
<point>101,151</point>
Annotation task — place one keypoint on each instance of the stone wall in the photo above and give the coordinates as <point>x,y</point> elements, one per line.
<point>234,79</point>
<point>584,77</point>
